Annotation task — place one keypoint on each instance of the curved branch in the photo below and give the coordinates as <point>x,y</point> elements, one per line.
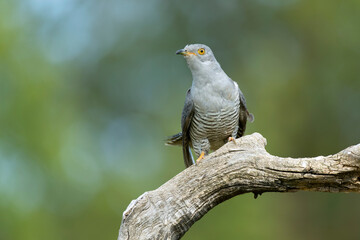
<point>169,211</point>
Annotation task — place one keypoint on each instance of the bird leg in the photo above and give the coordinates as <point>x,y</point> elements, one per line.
<point>200,157</point>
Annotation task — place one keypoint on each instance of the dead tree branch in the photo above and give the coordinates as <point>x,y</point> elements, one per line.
<point>169,211</point>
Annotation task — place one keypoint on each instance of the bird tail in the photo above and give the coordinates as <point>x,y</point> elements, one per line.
<point>174,139</point>
<point>250,117</point>
<point>188,157</point>
<point>177,139</point>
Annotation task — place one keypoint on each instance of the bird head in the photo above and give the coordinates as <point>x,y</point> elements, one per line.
<point>198,56</point>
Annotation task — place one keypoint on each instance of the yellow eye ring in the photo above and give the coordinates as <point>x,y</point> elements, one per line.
<point>201,51</point>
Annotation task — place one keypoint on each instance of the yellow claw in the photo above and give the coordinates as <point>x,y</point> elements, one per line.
<point>200,157</point>
<point>231,139</point>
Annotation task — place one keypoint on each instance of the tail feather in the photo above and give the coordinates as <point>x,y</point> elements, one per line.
<point>250,116</point>
<point>174,139</point>
<point>188,157</point>
<point>177,139</point>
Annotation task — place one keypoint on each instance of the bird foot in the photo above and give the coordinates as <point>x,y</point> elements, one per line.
<point>201,157</point>
<point>231,139</point>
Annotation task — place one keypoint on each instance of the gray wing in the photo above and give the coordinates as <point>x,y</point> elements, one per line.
<point>186,120</point>
<point>244,115</point>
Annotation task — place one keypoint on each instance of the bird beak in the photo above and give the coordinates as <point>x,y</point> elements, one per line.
<point>184,52</point>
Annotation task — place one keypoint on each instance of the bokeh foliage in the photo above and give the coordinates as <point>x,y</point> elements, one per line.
<point>90,89</point>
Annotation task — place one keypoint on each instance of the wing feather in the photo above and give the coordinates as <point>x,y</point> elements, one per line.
<point>186,120</point>
<point>244,115</point>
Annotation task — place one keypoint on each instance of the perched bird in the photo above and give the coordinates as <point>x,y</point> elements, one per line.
<point>215,109</point>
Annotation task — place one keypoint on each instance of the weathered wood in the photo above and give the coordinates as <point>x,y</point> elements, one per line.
<point>169,211</point>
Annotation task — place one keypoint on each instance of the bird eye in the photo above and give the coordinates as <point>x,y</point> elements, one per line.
<point>201,51</point>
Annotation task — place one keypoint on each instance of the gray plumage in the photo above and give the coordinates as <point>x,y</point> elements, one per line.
<point>214,109</point>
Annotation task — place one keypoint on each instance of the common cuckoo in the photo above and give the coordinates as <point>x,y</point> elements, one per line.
<point>215,109</point>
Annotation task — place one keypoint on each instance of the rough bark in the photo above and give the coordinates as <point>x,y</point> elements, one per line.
<point>169,211</point>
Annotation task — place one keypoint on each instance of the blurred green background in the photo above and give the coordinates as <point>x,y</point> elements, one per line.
<point>90,89</point>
